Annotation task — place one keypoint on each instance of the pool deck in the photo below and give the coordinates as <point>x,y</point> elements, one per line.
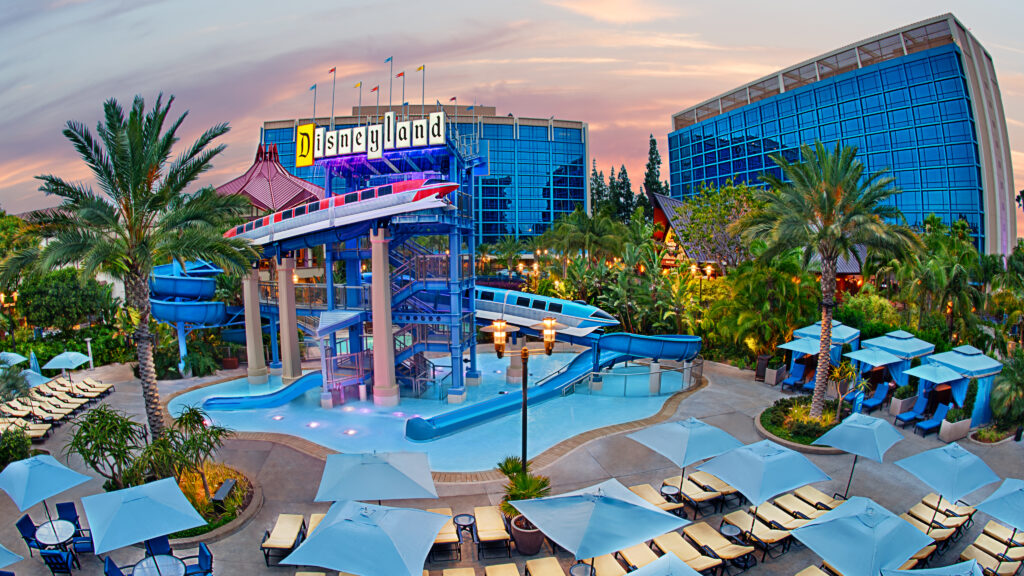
<point>730,401</point>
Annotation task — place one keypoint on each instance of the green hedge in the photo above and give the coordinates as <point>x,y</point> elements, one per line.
<point>108,346</point>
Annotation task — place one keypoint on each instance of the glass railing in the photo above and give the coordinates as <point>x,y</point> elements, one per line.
<point>314,296</point>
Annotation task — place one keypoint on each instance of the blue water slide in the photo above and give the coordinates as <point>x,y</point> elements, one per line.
<point>186,287</point>
<point>613,348</point>
<point>269,400</point>
<point>205,313</point>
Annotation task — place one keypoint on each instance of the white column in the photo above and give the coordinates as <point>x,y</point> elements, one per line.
<point>514,374</point>
<point>257,364</point>
<point>654,385</point>
<point>385,389</point>
<point>291,362</point>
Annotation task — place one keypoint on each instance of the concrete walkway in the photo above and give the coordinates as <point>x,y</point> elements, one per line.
<point>289,478</point>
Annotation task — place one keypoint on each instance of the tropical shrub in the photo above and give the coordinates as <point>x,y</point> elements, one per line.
<point>61,299</point>
<point>790,419</point>
<point>904,392</point>
<point>990,434</point>
<point>871,307</point>
<point>521,485</point>
<point>14,445</point>
<point>109,442</point>
<point>1008,393</point>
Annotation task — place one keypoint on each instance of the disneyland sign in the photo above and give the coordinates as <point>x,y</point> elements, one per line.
<point>313,143</point>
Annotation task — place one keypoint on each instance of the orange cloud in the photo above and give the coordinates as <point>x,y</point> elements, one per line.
<point>617,11</point>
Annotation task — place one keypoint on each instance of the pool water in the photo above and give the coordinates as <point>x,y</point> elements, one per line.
<point>363,427</point>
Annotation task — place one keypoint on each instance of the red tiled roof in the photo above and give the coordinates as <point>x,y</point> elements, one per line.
<point>269,186</point>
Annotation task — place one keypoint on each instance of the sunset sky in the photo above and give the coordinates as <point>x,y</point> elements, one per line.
<point>624,66</point>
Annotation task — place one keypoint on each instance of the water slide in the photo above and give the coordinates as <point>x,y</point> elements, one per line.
<point>268,400</point>
<point>612,349</point>
<point>182,295</point>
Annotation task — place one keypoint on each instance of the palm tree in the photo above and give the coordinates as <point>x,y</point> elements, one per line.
<point>13,383</point>
<point>141,215</point>
<point>1008,392</point>
<point>508,249</point>
<point>827,207</point>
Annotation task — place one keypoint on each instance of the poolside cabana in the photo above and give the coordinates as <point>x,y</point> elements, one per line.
<point>810,346</point>
<point>867,359</point>
<point>841,333</point>
<point>906,346</point>
<point>970,362</point>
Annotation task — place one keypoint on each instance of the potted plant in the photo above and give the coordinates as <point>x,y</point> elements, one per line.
<point>777,371</point>
<point>522,485</point>
<point>903,399</point>
<point>230,360</point>
<point>957,424</point>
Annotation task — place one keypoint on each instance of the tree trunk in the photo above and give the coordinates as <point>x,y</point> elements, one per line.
<point>828,294</point>
<point>137,292</point>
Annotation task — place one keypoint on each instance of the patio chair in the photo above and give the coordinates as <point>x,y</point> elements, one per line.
<point>932,424</point>
<point>59,561</point>
<point>547,566</point>
<point>1003,534</point>
<point>768,539</point>
<point>875,401</point>
<point>501,570</point>
<point>651,496</point>
<point>204,562</point>
<point>797,507</point>
<point>935,518</point>
<point>914,414</point>
<point>942,536</point>
<point>68,511</point>
<point>673,542</point>
<point>27,529</point>
<point>637,556</point>
<point>990,565</point>
<point>714,544</point>
<point>449,539</point>
<point>288,532</point>
<point>794,378</point>
<point>776,517</point>
<point>81,542</point>
<point>935,501</point>
<point>712,483</point>
<point>6,573</point>
<point>817,498</point>
<point>159,546</point>
<point>489,531</point>
<point>812,571</point>
<point>995,548</point>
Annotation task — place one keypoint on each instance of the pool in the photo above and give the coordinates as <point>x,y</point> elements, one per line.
<point>363,427</point>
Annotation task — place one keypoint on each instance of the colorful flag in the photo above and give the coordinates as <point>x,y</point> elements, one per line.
<point>313,87</point>
<point>420,69</point>
<point>400,74</point>
<point>374,89</point>
<point>332,70</point>
<point>358,84</point>
<point>388,60</point>
<point>452,99</point>
<point>471,107</point>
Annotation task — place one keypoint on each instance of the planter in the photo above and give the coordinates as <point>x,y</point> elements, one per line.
<point>775,375</point>
<point>528,540</point>
<point>953,431</point>
<point>897,406</point>
<point>229,363</point>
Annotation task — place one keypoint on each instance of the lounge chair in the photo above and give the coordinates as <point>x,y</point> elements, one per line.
<point>926,427</point>
<point>797,507</point>
<point>766,538</point>
<point>712,483</point>
<point>694,494</point>
<point>314,521</point>
<point>794,377</point>
<point>776,517</point>
<point>810,383</point>
<point>1003,534</point>
<point>716,545</point>
<point>15,412</point>
<point>812,571</point>
<point>606,565</point>
<point>31,429</point>
<point>935,518</point>
<point>501,570</point>
<point>998,549</point>
<point>935,501</point>
<point>547,566</point>
<point>457,572</point>
<point>875,401</point>
<point>490,532</point>
<point>914,414</point>
<point>941,535</point>
<point>674,543</point>
<point>289,531</point>
<point>924,555</point>
<point>325,573</point>
<point>448,539</point>
<point>817,498</point>
<point>990,565</point>
<point>637,556</point>
<point>648,493</point>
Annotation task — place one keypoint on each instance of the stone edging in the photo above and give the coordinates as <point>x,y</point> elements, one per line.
<point>970,437</point>
<point>792,445</point>
<point>544,459</point>
<point>230,528</point>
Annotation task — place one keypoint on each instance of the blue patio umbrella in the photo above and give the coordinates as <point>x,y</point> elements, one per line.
<point>764,469</point>
<point>129,516</point>
<point>7,557</point>
<point>33,480</point>
<point>873,357</point>
<point>33,362</point>
<point>11,358</point>
<point>375,540</point>
<point>667,565</point>
<point>810,346</point>
<point>686,441</point>
<point>969,568</point>
<point>841,333</point>
<point>376,476</point>
<point>950,470</point>
<point>35,378</point>
<point>1006,504</point>
<point>934,373</point>
<point>860,538</point>
<point>66,361</point>
<point>597,520</point>
<point>861,435</point>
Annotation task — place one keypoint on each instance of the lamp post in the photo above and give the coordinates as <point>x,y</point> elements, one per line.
<point>548,327</point>
<point>8,302</point>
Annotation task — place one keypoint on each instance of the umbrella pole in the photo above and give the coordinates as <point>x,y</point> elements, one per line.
<point>49,519</point>
<point>682,477</point>
<point>850,481</point>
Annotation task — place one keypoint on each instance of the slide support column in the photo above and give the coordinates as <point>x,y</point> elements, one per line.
<point>257,367</point>
<point>385,389</point>
<point>291,362</point>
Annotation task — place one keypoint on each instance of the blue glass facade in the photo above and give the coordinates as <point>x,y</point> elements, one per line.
<point>910,115</point>
<point>534,176</point>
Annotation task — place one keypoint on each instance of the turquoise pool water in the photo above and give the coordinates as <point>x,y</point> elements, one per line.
<point>362,427</point>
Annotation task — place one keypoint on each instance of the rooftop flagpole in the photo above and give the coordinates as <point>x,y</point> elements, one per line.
<point>334,84</point>
<point>391,82</point>
<point>359,114</point>
<point>423,91</point>
<point>313,88</point>
<point>402,76</point>
<point>377,90</point>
